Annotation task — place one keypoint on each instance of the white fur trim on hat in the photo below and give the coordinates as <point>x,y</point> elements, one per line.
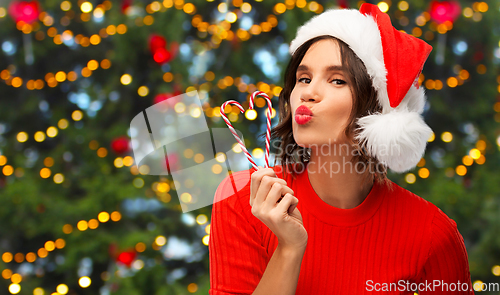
<point>397,139</point>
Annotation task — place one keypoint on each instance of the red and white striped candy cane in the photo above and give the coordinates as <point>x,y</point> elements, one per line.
<point>231,128</point>
<point>269,114</point>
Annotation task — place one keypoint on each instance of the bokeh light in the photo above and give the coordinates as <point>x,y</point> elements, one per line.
<point>84,282</point>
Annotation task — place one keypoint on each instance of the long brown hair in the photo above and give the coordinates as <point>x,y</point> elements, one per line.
<point>364,103</point>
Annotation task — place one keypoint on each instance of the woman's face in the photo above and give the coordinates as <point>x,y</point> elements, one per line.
<point>321,100</point>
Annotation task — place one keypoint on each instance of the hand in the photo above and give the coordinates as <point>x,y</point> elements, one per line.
<point>274,203</point>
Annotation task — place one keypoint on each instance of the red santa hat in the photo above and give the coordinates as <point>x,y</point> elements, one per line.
<point>397,136</point>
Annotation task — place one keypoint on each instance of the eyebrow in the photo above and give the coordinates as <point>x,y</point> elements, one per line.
<point>327,69</point>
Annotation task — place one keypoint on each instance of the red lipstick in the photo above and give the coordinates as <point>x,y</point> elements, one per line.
<point>303,115</point>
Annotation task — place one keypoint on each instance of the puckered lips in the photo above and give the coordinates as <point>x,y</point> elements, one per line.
<point>303,115</point>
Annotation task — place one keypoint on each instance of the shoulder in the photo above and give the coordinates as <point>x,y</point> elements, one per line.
<point>447,255</point>
<point>236,185</point>
<point>444,230</point>
<point>408,203</point>
<point>439,233</point>
<point>232,203</point>
<point>441,230</point>
<point>232,198</point>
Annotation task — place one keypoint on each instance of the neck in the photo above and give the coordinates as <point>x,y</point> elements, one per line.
<point>335,179</point>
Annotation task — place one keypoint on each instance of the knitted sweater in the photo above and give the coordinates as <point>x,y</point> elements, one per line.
<point>394,242</point>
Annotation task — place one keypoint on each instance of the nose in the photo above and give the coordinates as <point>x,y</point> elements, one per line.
<point>310,93</point>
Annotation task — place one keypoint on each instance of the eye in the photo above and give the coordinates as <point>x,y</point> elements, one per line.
<point>338,81</point>
<point>301,80</point>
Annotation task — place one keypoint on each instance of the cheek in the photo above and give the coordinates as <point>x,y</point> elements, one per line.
<point>343,108</point>
<point>335,117</point>
<point>294,98</point>
<point>342,105</point>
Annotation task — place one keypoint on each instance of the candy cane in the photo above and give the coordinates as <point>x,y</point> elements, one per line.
<point>268,131</point>
<point>269,114</point>
<point>231,128</point>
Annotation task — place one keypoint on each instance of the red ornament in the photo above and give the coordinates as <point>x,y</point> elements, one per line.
<point>164,96</point>
<point>161,97</point>
<point>25,11</point>
<point>156,42</point>
<point>162,56</point>
<point>125,5</point>
<point>126,257</point>
<point>443,11</point>
<point>120,145</point>
<point>158,48</point>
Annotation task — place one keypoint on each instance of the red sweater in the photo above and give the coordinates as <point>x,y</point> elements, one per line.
<point>392,237</point>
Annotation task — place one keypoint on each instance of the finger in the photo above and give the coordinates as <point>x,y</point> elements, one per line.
<point>265,180</point>
<point>284,190</point>
<point>265,189</point>
<point>262,191</point>
<point>256,179</point>
<point>288,204</point>
<point>277,191</point>
<point>292,207</point>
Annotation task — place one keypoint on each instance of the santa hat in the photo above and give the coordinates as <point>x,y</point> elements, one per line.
<point>398,135</point>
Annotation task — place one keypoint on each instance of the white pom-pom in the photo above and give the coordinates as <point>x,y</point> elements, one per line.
<point>397,139</point>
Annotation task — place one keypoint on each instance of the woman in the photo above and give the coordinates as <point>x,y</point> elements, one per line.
<point>328,221</point>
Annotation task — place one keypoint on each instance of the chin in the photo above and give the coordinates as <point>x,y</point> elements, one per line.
<point>309,139</point>
<point>305,141</point>
<point>305,138</point>
<point>303,145</point>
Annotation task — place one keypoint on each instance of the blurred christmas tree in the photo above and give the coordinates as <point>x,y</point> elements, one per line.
<point>79,217</point>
